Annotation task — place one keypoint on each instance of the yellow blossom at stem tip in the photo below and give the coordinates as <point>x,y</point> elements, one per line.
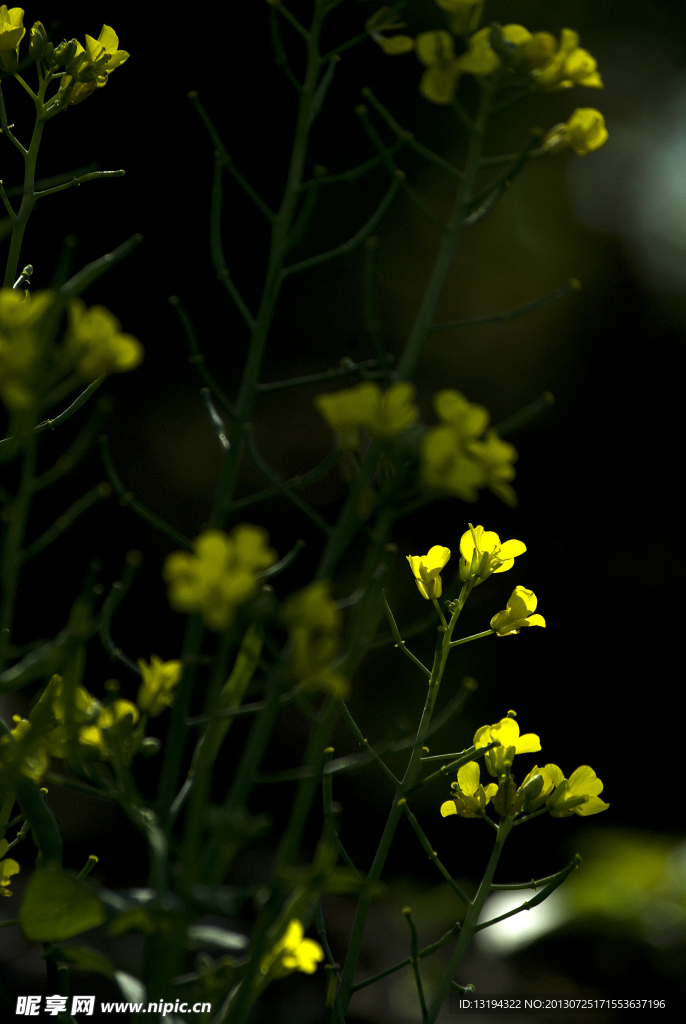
<point>427,569</point>
<point>517,614</point>
<point>506,732</point>
<point>482,554</point>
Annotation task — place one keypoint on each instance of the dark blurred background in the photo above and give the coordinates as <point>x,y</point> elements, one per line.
<point>597,476</point>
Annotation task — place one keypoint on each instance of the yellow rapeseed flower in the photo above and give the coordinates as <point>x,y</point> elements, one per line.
<point>570,65</point>
<point>482,554</point>
<point>120,715</point>
<point>436,51</point>
<point>517,614</point>
<point>220,575</point>
<point>469,797</point>
<point>537,787</point>
<point>506,731</point>
<point>11,34</point>
<point>158,686</point>
<point>292,953</point>
<point>8,866</point>
<point>584,132</point>
<point>383,415</point>
<point>315,625</point>
<point>427,569</point>
<point>23,361</point>
<point>384,20</point>
<point>481,58</point>
<point>94,343</point>
<point>576,795</point>
<point>464,14</point>
<point>456,458</point>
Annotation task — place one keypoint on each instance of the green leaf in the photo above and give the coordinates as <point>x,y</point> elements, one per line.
<point>57,906</point>
<point>134,919</point>
<point>83,958</point>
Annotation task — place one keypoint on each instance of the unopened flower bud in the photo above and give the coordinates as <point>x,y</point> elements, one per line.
<point>38,40</point>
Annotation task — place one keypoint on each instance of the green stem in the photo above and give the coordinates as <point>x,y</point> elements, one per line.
<point>397,808</point>
<point>469,923</point>
<point>27,202</point>
<point>12,554</point>
<point>448,247</point>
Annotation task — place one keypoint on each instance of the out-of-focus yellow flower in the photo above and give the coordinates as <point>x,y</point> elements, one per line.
<point>569,65</point>
<point>157,690</point>
<point>436,51</point>
<point>469,797</point>
<point>384,415</point>
<point>576,795</point>
<point>456,459</point>
<point>464,14</point>
<point>506,731</point>
<point>483,554</point>
<point>89,67</point>
<point>220,576</point>
<point>315,624</point>
<point>34,757</point>
<point>481,58</point>
<point>22,346</point>
<point>521,604</point>
<point>584,133</point>
<point>427,569</point>
<point>383,21</point>
<point>8,866</point>
<point>94,343</point>
<point>292,953</point>
<point>11,34</point>
<point>118,716</point>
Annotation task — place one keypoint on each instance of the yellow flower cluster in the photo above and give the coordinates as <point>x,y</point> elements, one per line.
<point>88,69</point>
<point>482,554</point>
<point>94,344</point>
<point>315,624</point>
<point>220,575</point>
<point>30,364</point>
<point>458,457</point>
<point>551,64</point>
<point>383,415</point>
<point>59,723</point>
<point>292,953</point>
<point>542,786</point>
